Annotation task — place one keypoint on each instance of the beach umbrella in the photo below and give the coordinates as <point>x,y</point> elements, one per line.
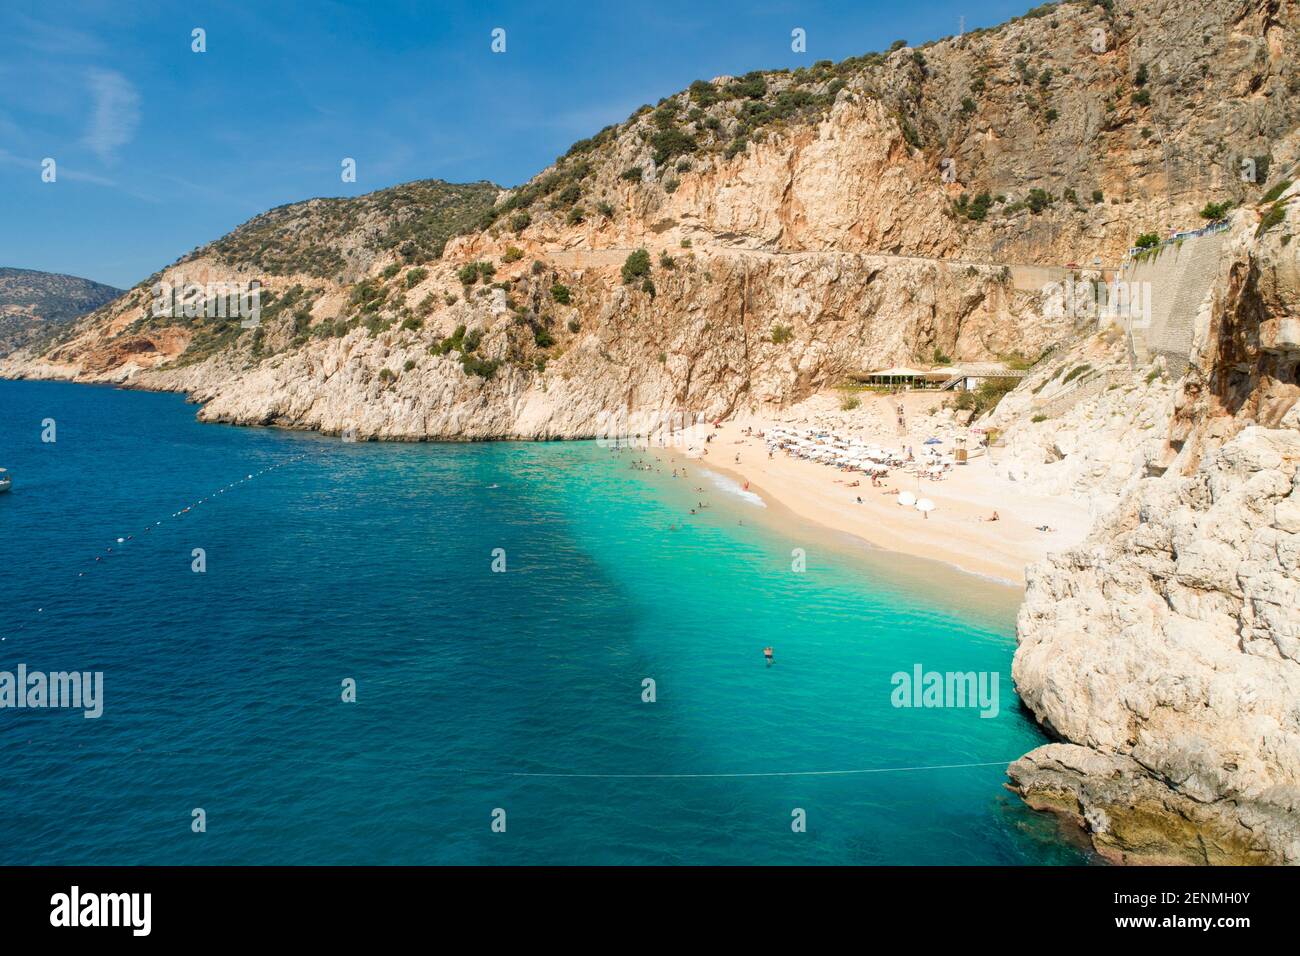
<point>925,505</point>
<point>933,441</point>
<point>906,499</point>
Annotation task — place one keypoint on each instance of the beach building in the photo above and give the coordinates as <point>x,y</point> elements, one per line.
<point>897,377</point>
<point>963,376</point>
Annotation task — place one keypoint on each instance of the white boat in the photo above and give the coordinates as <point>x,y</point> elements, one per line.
<point>5,480</point>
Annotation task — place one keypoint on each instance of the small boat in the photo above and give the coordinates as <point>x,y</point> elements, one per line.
<point>5,480</point>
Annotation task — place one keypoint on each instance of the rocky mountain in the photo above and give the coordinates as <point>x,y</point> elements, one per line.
<point>34,305</point>
<point>797,226</point>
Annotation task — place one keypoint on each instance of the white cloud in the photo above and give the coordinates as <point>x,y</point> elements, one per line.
<point>116,112</point>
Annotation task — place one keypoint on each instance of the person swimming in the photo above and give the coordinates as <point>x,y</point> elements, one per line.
<point>767,655</point>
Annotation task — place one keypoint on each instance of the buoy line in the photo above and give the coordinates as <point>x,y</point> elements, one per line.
<point>122,540</point>
<point>768,773</point>
<point>346,762</point>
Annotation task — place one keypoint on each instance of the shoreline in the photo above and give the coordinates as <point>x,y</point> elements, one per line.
<point>953,534</point>
<point>854,537</point>
<point>957,533</point>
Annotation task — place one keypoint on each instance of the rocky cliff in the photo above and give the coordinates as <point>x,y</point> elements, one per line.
<point>797,226</point>
<point>1165,652</point>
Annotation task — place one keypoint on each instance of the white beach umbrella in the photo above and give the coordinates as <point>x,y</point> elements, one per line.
<point>906,499</point>
<point>925,504</point>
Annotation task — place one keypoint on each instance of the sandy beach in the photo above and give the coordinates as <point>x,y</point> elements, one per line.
<point>957,532</point>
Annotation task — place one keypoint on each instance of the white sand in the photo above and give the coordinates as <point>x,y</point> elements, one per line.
<point>954,532</point>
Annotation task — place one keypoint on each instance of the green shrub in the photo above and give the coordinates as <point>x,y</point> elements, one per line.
<point>1148,240</point>
<point>735,147</point>
<point>543,338</point>
<point>1276,191</point>
<point>512,254</point>
<point>483,368</point>
<point>648,287</point>
<point>1216,210</point>
<point>415,277</point>
<point>390,271</point>
<point>977,208</point>
<point>636,266</point>
<point>560,293</point>
<point>781,334</point>
<point>1142,98</point>
<point>387,375</point>
<point>670,143</point>
<point>849,402</point>
<point>703,93</point>
<point>605,209</point>
<point>408,365</point>
<point>1038,418</point>
<point>520,221</point>
<point>666,261</point>
<point>1275,214</point>
<point>632,174</point>
<point>1038,200</point>
<point>412,324</point>
<point>750,86</point>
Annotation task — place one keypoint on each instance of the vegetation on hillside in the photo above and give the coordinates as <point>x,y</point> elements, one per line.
<point>322,237</point>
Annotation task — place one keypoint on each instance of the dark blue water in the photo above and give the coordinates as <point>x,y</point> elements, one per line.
<point>374,562</point>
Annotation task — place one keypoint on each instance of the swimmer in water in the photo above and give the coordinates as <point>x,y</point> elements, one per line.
<point>767,654</point>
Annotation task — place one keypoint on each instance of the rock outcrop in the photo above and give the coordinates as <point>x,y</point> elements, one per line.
<point>1165,651</point>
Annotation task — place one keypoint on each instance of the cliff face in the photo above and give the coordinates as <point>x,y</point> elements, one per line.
<point>1165,651</point>
<point>799,225</point>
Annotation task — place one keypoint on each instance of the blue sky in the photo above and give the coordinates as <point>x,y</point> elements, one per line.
<point>160,149</point>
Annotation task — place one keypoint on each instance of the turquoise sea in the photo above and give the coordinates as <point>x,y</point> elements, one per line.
<point>476,690</point>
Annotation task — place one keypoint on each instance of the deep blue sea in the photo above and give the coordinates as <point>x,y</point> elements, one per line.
<point>476,690</point>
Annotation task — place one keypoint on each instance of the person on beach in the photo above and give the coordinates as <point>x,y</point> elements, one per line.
<point>767,655</point>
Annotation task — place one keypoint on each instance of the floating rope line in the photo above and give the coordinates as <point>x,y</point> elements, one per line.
<point>351,762</point>
<point>122,540</point>
<point>771,773</point>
